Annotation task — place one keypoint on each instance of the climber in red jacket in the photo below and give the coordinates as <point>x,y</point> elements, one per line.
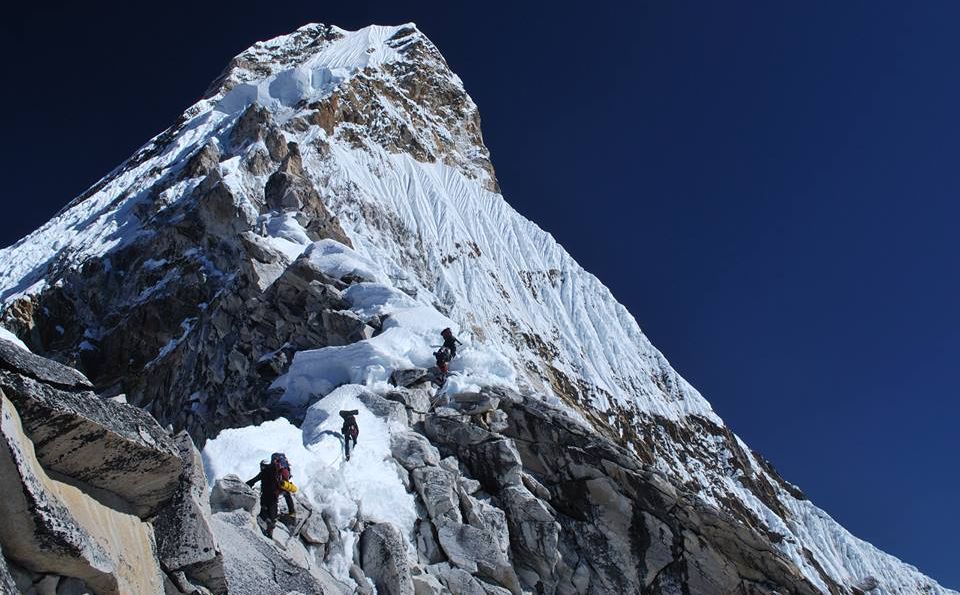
<point>274,478</point>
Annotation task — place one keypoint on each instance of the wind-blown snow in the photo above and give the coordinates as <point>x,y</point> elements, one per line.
<point>338,261</point>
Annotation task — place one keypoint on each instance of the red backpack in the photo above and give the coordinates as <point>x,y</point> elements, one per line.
<point>280,463</point>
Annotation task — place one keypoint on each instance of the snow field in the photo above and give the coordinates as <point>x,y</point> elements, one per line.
<point>367,486</point>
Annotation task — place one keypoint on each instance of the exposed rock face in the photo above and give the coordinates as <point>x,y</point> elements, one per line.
<point>637,530</point>
<point>53,527</point>
<point>7,583</point>
<point>110,446</point>
<point>72,521</point>
<point>384,559</point>
<point>413,450</point>
<point>559,509</point>
<point>256,566</point>
<point>41,369</point>
<point>594,519</point>
<point>185,540</point>
<point>232,493</point>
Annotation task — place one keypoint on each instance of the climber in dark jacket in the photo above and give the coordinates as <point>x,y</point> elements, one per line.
<point>270,490</point>
<point>446,353</point>
<point>350,430</point>
<point>450,342</point>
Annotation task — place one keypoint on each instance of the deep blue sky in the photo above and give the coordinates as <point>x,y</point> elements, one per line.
<point>770,187</point>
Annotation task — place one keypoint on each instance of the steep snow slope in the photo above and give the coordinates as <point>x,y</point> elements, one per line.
<point>388,141</point>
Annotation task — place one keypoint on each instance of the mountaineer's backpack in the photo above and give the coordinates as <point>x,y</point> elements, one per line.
<point>350,426</point>
<point>282,466</point>
<point>443,355</point>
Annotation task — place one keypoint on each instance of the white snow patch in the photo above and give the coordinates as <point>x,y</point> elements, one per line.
<point>410,331</point>
<point>285,234</point>
<point>339,261</point>
<point>316,77</point>
<point>6,335</point>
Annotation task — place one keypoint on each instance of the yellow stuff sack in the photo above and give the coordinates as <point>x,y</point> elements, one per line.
<point>288,486</point>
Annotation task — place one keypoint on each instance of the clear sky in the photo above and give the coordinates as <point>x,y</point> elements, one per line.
<point>770,187</point>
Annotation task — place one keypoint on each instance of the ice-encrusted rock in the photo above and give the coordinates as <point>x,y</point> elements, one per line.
<point>53,527</point>
<point>383,557</point>
<point>232,493</point>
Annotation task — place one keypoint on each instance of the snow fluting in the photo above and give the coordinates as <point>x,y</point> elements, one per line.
<point>344,172</point>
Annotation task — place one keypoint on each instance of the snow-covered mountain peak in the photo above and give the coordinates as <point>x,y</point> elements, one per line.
<point>307,64</point>
<point>313,222</point>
